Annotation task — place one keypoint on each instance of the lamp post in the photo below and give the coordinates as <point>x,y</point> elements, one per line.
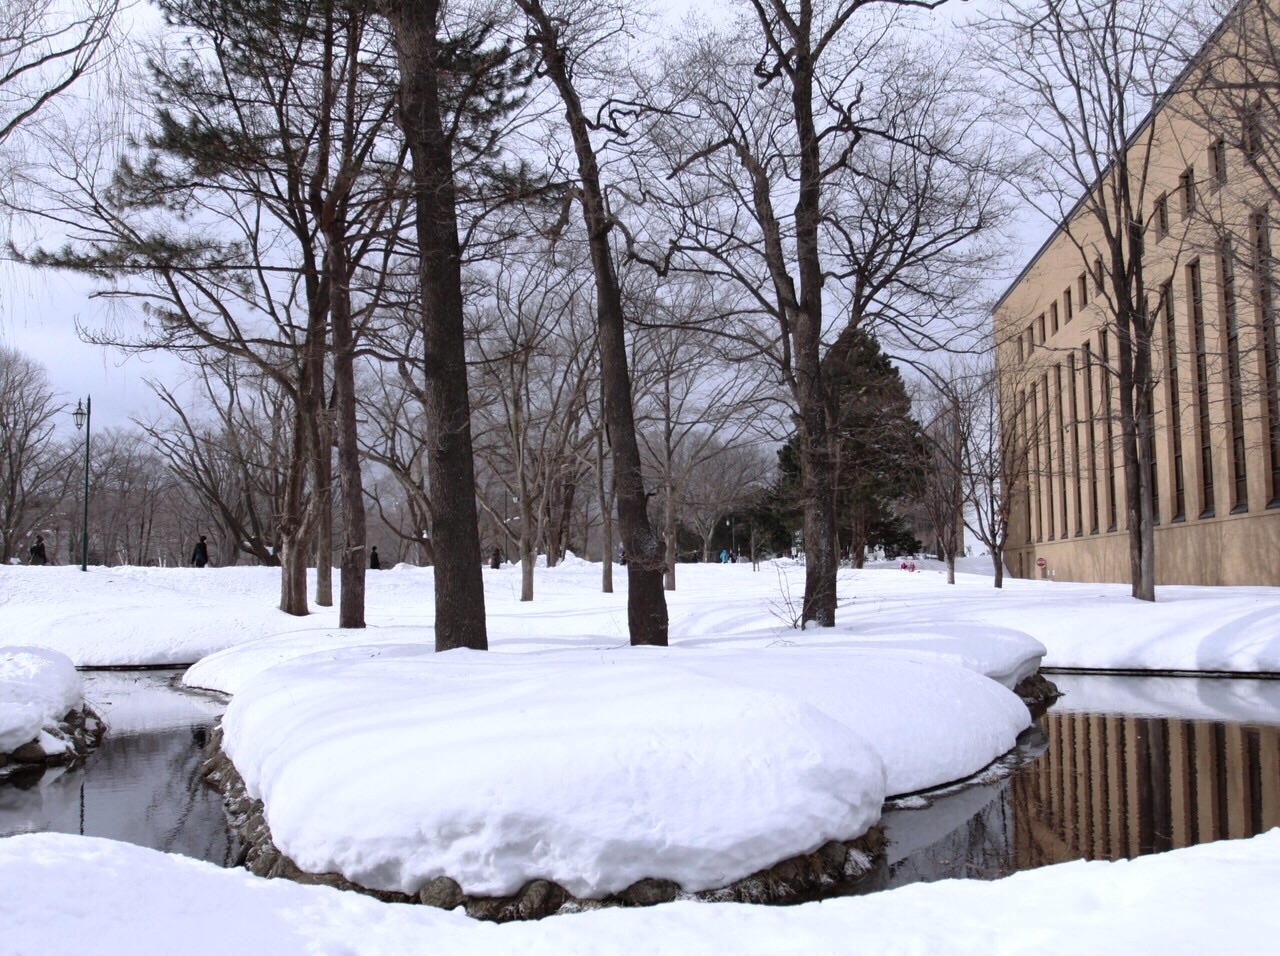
<point>82,416</point>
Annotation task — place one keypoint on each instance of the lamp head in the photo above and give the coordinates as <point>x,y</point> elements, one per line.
<point>79,415</point>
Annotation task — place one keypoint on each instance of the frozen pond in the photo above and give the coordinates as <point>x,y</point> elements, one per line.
<point>1120,767</point>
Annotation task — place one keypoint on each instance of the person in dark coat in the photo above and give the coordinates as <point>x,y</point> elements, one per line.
<point>200,556</point>
<point>37,551</point>
<point>375,563</point>
<point>495,561</point>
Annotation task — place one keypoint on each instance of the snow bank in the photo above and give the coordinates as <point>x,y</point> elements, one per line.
<point>37,688</point>
<point>61,891</point>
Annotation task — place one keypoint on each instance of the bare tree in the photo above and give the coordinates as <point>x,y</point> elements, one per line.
<point>231,454</point>
<point>45,47</point>
<point>724,479</point>
<point>996,452</point>
<point>694,398</point>
<point>536,373</point>
<point>35,467</point>
<point>942,495</point>
<point>817,196</point>
<point>566,36</point>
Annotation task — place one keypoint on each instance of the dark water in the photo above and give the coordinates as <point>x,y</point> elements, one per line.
<point>142,785</point>
<point>1121,767</point>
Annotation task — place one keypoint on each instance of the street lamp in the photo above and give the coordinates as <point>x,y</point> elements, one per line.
<point>82,416</point>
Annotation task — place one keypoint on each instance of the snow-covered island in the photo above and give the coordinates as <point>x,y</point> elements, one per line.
<point>563,755</point>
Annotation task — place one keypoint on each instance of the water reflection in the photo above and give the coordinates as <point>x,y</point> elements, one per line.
<point>1113,787</point>
<point>142,785</point>
<point>1192,760</point>
<point>1121,767</point>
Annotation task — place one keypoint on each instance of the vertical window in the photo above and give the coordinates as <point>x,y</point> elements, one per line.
<point>1187,187</point>
<point>1264,281</point>
<point>1033,424</point>
<point>1153,472</point>
<point>1050,511</point>
<point>1235,394</point>
<point>1066,306</point>
<point>1252,144</point>
<point>1110,449</point>
<point>1174,402</point>
<point>1218,161</point>
<point>1160,216</point>
<point>1082,289</point>
<point>1075,444</point>
<point>1040,327</point>
<point>1093,440</point>
<point>1195,300</point>
<point>1053,318</point>
<point>1061,432</point>
<point>1099,276</point>
<point>1031,341</point>
<point>1021,354</point>
<point>1026,460</point>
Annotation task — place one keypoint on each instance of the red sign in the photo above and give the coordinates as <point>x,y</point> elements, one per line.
<point>1041,562</point>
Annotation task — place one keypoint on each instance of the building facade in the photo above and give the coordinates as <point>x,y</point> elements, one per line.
<point>1210,205</point>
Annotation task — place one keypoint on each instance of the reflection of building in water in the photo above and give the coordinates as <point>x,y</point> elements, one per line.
<point>1114,787</point>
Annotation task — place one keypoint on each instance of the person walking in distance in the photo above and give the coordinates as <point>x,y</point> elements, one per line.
<point>200,556</point>
<point>375,562</point>
<point>37,552</point>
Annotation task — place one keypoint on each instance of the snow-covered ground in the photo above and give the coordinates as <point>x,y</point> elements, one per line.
<point>566,754</point>
<point>71,895</point>
<point>179,615</point>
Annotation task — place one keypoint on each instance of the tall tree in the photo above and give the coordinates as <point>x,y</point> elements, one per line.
<point>834,181</point>
<point>880,453</point>
<point>222,220</point>
<point>455,82</point>
<point>536,373</point>
<point>565,37</point>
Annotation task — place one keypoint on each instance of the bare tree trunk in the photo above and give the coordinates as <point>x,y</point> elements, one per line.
<point>528,551</point>
<point>606,518</point>
<point>322,463</point>
<point>455,532</point>
<point>353,560</point>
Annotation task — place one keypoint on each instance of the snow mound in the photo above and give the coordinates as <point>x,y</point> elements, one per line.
<point>394,765</point>
<point>37,688</point>
<point>496,770</point>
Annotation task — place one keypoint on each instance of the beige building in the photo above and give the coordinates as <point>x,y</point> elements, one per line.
<point>1210,206</point>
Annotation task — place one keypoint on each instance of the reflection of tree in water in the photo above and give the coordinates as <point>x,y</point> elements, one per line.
<point>141,788</point>
<point>980,847</point>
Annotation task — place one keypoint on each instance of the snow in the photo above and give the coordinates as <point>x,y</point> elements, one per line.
<point>62,891</point>
<point>565,754</point>
<point>37,688</point>
<point>598,768</point>
<point>179,615</point>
